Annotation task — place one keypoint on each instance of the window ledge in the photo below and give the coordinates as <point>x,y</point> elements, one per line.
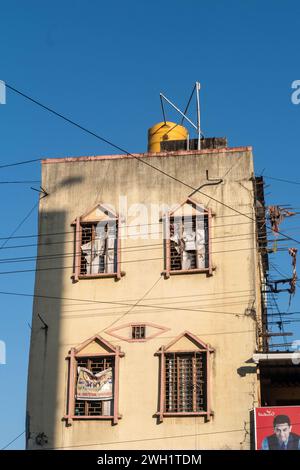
<point>117,276</point>
<point>187,271</point>
<point>97,417</point>
<point>184,413</point>
<point>96,276</point>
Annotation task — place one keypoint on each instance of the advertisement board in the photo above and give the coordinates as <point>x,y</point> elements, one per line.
<point>277,428</point>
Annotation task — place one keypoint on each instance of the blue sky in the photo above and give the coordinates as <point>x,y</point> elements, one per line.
<point>103,65</point>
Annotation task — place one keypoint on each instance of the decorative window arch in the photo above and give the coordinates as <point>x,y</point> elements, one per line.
<point>97,244</point>
<point>184,381</point>
<point>187,235</point>
<point>93,385</point>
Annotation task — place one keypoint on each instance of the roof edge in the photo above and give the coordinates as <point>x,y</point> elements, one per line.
<point>279,356</point>
<point>145,155</point>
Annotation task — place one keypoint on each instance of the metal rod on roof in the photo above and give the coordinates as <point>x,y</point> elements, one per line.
<point>188,104</point>
<point>162,108</point>
<point>269,334</point>
<point>280,345</point>
<point>178,110</point>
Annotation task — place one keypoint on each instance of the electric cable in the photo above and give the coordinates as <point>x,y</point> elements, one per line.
<point>70,121</point>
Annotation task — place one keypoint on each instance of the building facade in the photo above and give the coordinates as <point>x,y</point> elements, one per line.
<point>148,304</point>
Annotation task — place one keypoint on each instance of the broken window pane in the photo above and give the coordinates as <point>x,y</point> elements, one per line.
<point>189,242</point>
<point>99,248</point>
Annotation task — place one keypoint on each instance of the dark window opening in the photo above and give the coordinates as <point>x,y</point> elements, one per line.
<point>138,332</point>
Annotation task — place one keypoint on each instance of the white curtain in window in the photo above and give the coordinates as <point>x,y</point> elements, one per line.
<point>200,242</point>
<point>94,251</point>
<point>189,244</point>
<point>110,245</point>
<point>176,237</point>
<point>193,241</point>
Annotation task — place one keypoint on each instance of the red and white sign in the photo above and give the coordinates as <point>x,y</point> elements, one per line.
<point>277,428</point>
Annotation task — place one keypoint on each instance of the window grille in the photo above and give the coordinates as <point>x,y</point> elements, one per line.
<point>93,393</point>
<point>138,332</point>
<point>185,382</point>
<point>189,243</point>
<point>98,248</point>
<point>94,407</point>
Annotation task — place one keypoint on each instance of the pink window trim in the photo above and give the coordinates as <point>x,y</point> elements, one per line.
<point>167,271</point>
<point>77,258</point>
<point>72,357</point>
<point>78,235</point>
<point>203,347</point>
<point>96,276</point>
<point>94,418</point>
<point>184,413</point>
<point>168,246</point>
<point>162,384</point>
<point>210,268</point>
<point>112,332</point>
<point>185,271</point>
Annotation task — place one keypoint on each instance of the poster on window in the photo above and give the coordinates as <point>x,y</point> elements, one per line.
<point>277,428</point>
<point>94,386</point>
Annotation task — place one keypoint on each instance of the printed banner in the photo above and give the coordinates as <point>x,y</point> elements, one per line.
<point>94,386</point>
<point>277,428</point>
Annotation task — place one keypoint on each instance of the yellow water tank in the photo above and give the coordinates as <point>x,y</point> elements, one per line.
<point>165,131</point>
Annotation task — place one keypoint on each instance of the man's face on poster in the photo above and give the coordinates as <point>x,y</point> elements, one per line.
<point>282,432</point>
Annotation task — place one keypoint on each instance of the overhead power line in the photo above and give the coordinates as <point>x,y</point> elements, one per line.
<point>125,304</point>
<point>11,442</point>
<point>117,147</point>
<point>62,242</point>
<point>19,225</point>
<point>50,234</point>
<point>141,260</point>
<point>141,439</point>
<point>207,296</point>
<point>125,249</point>
<point>280,179</point>
<point>129,226</point>
<point>24,162</point>
<point>19,182</point>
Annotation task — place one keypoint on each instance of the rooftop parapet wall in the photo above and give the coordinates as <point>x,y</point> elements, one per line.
<point>147,155</point>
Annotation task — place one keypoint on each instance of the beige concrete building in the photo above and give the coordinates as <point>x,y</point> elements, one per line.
<point>148,304</point>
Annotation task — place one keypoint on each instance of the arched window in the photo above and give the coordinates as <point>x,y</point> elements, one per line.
<point>185,378</point>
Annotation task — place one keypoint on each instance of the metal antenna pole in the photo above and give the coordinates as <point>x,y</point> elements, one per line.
<point>178,110</point>
<point>162,108</point>
<point>198,114</point>
<point>188,104</point>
